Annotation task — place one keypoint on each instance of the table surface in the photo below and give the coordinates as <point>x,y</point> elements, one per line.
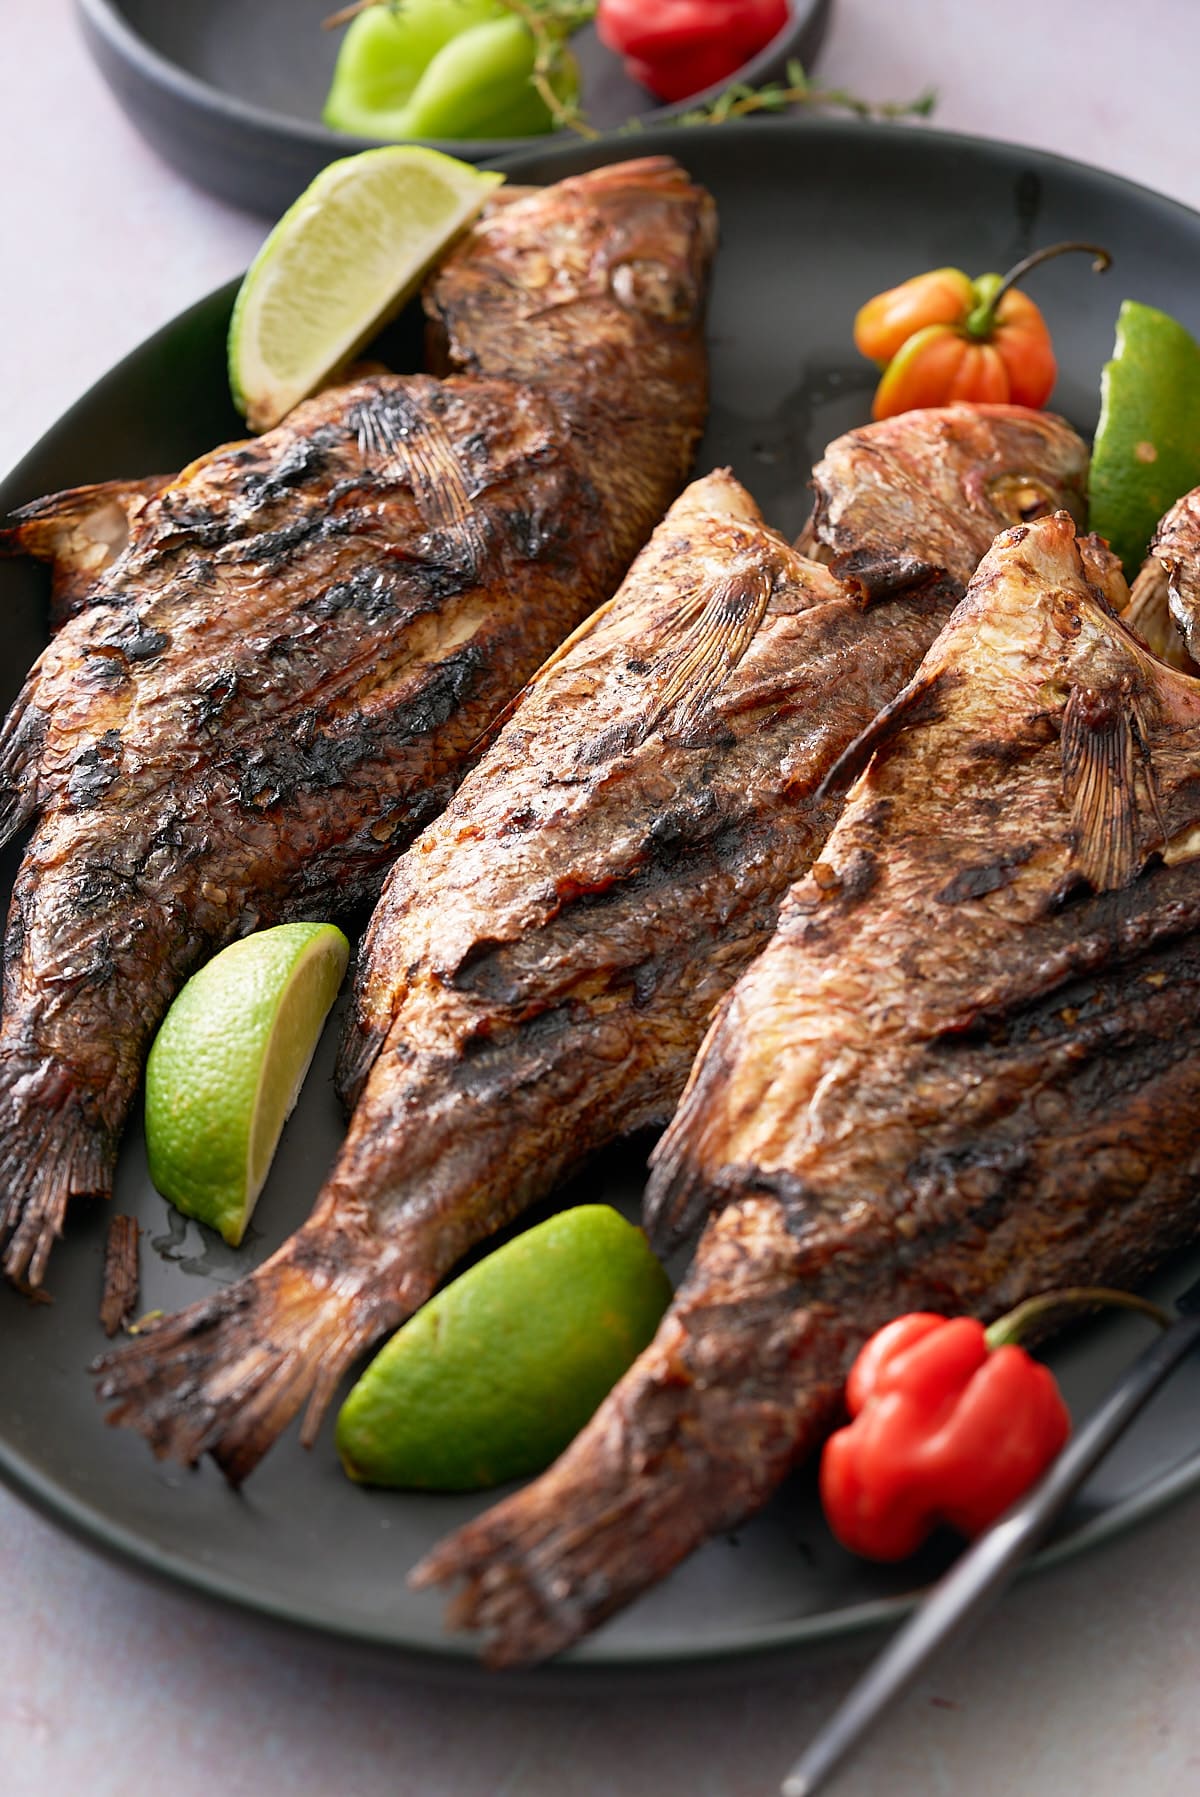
<point>1085,1680</point>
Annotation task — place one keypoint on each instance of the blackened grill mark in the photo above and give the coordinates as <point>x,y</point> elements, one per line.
<point>368,591</point>
<point>492,1068</point>
<point>133,640</point>
<point>99,886</point>
<point>442,562</point>
<point>213,697</point>
<point>94,770</point>
<point>976,882</point>
<point>497,972</point>
<point>536,536</point>
<point>305,459</point>
<point>315,760</point>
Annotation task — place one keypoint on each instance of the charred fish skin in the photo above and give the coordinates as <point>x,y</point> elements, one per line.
<point>543,962</point>
<point>963,1072</point>
<point>280,677</point>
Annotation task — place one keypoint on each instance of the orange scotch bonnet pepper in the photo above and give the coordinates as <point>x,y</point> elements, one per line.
<point>942,336</point>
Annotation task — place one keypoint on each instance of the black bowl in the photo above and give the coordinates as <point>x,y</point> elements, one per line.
<point>230,92</point>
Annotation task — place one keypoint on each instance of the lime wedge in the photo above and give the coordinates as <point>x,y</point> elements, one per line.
<point>1147,448</point>
<point>227,1066</point>
<point>498,1372</point>
<point>342,261</point>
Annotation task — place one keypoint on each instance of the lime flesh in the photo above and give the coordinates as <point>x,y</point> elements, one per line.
<point>227,1066</point>
<point>340,262</point>
<point>1147,448</point>
<point>499,1371</point>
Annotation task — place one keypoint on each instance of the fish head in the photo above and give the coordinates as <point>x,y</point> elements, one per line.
<point>535,279</point>
<point>943,481</point>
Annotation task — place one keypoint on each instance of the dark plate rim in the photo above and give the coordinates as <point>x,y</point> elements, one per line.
<point>108,22</point>
<point>591,1659</point>
<point>455,1653</point>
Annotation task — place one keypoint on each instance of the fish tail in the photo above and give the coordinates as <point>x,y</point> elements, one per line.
<point>664,1463</point>
<point>227,1375</point>
<point>51,1150</point>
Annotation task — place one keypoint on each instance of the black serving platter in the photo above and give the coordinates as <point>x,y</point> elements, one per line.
<point>230,91</point>
<point>815,217</point>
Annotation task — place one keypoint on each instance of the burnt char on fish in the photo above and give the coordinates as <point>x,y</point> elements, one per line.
<point>544,960</point>
<point>964,1071</point>
<point>277,679</point>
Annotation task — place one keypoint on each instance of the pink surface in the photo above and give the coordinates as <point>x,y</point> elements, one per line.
<point>1086,1680</point>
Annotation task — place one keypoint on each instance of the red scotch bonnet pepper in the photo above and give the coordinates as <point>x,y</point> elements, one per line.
<point>950,1423</point>
<point>677,48</point>
<point>944,1430</point>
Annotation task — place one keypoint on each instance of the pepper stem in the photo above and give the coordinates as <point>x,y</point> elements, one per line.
<point>981,320</point>
<point>1012,1327</point>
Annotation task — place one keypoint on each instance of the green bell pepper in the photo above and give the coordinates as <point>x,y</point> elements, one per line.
<point>440,69</point>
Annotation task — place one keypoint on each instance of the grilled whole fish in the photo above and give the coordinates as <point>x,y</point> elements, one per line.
<point>277,679</point>
<point>964,1071</point>
<point>544,960</point>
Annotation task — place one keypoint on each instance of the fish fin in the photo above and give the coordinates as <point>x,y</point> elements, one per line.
<point>717,623</point>
<point>871,574</point>
<point>80,532</point>
<point>50,1152</point>
<point>21,737</point>
<point>357,1053</point>
<point>1103,751</point>
<point>227,1375</point>
<point>1148,616</point>
<point>411,445</point>
<point>714,626</point>
<point>918,702</point>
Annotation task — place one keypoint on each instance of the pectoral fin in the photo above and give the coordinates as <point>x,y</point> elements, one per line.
<point>717,622</point>
<point>406,444</point>
<point>1108,783</point>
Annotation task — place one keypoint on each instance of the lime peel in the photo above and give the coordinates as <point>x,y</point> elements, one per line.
<point>342,261</point>
<point>493,1378</point>
<point>1147,448</point>
<point>227,1066</point>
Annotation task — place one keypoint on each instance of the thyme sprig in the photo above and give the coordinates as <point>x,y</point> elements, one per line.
<point>796,90</point>
<point>551,23</point>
